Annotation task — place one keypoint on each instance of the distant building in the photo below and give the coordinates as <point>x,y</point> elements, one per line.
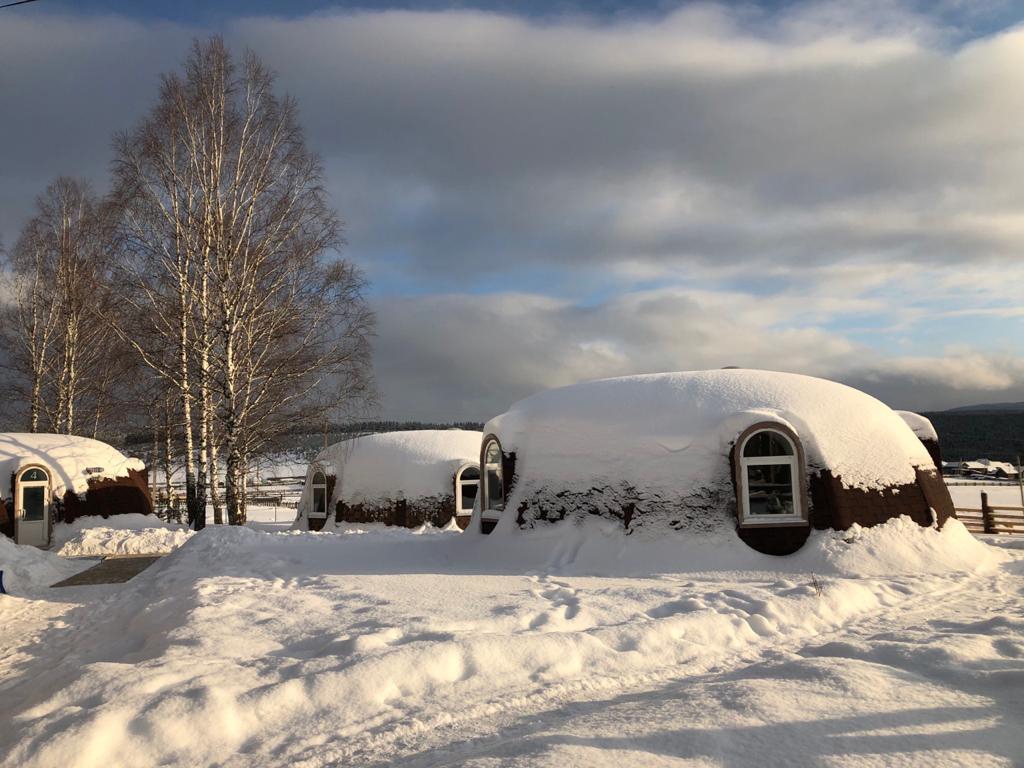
<point>981,468</point>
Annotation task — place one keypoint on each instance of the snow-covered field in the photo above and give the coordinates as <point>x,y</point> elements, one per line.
<point>567,646</point>
<point>969,496</point>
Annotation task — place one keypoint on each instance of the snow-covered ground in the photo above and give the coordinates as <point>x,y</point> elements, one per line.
<point>565,646</point>
<point>969,496</point>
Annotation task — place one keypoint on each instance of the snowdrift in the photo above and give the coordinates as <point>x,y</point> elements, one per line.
<point>352,643</point>
<point>118,535</point>
<point>29,571</point>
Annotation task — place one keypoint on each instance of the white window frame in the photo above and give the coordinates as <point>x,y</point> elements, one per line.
<point>19,512</point>
<point>459,483</point>
<point>799,515</point>
<point>485,490</point>
<point>313,486</point>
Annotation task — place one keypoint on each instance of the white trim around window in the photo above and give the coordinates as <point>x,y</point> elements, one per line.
<point>319,500</point>
<point>779,481</point>
<point>492,479</point>
<point>468,475</point>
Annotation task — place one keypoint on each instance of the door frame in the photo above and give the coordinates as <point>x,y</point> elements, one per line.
<point>19,510</point>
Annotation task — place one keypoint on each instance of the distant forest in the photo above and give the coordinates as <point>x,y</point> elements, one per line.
<point>974,434</point>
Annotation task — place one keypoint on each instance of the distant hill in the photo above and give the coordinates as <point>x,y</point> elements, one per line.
<point>989,408</point>
<point>975,433</point>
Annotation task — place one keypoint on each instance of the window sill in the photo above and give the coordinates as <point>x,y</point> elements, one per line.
<point>775,522</point>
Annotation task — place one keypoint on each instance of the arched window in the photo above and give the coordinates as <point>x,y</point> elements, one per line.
<point>34,476</point>
<point>493,493</point>
<point>467,484</point>
<point>319,495</point>
<point>770,479</point>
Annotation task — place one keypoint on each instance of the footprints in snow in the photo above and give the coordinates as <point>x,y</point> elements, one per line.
<point>565,604</point>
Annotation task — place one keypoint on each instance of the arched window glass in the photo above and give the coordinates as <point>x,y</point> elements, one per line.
<point>34,476</point>
<point>494,491</point>
<point>467,483</point>
<point>319,495</point>
<point>769,476</point>
<point>768,443</point>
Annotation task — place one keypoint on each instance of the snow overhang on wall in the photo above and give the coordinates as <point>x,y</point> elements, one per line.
<point>673,432</point>
<point>919,425</point>
<point>70,460</point>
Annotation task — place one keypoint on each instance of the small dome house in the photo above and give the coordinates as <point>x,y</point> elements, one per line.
<point>768,454</point>
<point>395,478</point>
<point>47,479</point>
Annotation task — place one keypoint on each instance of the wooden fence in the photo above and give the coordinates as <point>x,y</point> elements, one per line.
<point>991,519</point>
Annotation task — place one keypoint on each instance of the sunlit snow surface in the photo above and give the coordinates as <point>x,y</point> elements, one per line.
<point>71,460</point>
<point>562,646</point>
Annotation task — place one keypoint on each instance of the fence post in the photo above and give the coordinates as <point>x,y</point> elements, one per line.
<point>986,514</point>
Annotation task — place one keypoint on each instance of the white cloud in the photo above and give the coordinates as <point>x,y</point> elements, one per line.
<point>469,357</point>
<point>811,188</point>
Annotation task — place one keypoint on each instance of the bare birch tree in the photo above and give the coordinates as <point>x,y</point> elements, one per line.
<point>230,250</point>
<point>57,339</point>
<point>158,197</point>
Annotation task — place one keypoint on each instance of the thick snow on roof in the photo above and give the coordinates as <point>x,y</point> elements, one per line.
<point>384,466</point>
<point>673,432</point>
<point>71,460</point>
<point>921,426</point>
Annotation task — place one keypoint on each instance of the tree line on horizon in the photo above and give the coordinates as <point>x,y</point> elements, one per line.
<point>202,301</point>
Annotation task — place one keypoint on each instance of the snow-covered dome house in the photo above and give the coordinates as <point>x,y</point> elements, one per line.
<point>47,479</point>
<point>769,454</point>
<point>396,478</point>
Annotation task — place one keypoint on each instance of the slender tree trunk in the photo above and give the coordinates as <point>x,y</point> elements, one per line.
<point>154,458</point>
<point>218,509</point>
<point>202,471</point>
<point>62,393</point>
<point>37,387</point>
<point>168,450</point>
<point>195,519</point>
<point>232,482</point>
<point>206,415</point>
<point>72,377</point>
<point>244,505</point>
<point>233,478</point>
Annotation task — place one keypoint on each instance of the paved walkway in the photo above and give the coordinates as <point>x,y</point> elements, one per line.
<point>114,569</point>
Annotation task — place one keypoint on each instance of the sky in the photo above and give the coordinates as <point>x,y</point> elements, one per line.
<point>546,192</point>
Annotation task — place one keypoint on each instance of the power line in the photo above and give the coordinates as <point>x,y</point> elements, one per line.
<point>19,2</point>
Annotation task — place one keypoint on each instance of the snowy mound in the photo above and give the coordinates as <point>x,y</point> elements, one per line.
<point>128,534</point>
<point>672,432</point>
<point>29,571</point>
<point>413,464</point>
<point>921,426</point>
<point>72,461</point>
